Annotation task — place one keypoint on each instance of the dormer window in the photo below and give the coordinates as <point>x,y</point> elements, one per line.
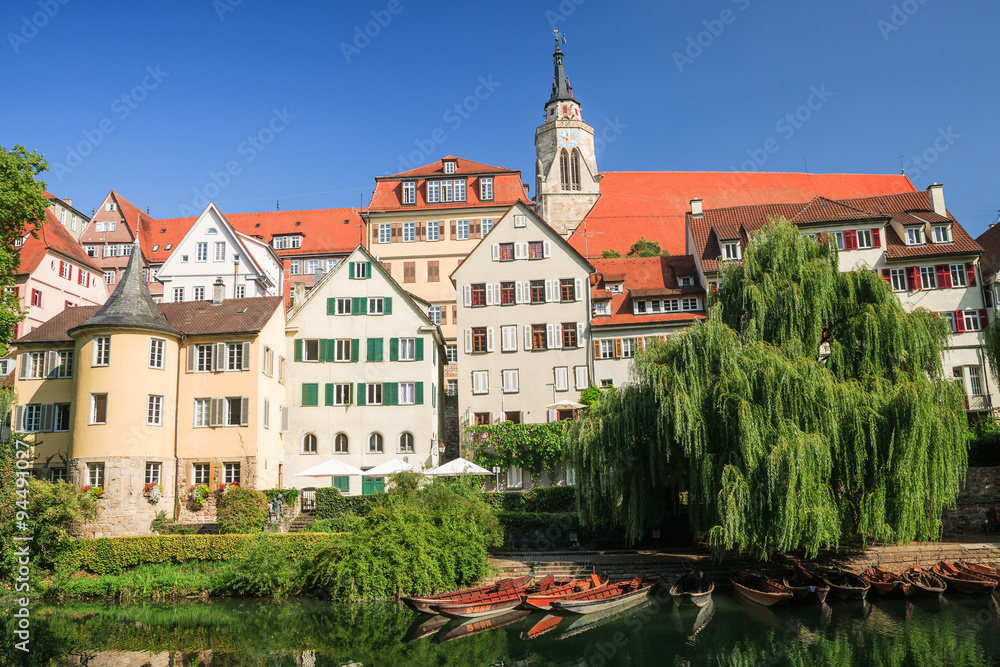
<point>409,192</point>
<point>449,167</point>
<point>731,250</point>
<point>687,281</point>
<point>942,234</point>
<point>914,236</point>
<point>615,288</point>
<point>486,188</point>
<point>602,308</point>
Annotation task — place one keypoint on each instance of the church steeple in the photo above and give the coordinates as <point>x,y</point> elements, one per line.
<point>562,90</point>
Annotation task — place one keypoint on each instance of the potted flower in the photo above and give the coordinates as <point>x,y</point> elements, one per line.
<point>223,488</point>
<point>199,492</point>
<point>94,492</point>
<point>153,493</point>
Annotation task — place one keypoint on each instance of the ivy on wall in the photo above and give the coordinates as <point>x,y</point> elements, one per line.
<point>536,448</point>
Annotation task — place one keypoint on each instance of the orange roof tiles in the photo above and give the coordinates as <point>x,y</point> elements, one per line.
<point>52,236</point>
<point>507,186</point>
<point>644,276</point>
<point>653,204</point>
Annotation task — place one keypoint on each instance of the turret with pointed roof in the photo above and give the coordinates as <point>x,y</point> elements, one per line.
<point>561,87</point>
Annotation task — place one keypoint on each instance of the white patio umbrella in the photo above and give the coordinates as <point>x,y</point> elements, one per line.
<point>390,468</point>
<point>331,468</point>
<point>458,467</point>
<point>565,405</point>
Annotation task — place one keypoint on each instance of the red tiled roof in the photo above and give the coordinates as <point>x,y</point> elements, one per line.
<point>193,318</point>
<point>653,204</point>
<point>990,242</point>
<point>52,236</point>
<point>644,276</point>
<point>507,187</point>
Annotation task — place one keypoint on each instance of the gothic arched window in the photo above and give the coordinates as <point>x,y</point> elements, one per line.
<point>564,169</point>
<point>574,170</point>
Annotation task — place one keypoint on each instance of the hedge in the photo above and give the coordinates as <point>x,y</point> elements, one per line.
<point>557,521</point>
<point>539,499</point>
<point>330,504</point>
<point>105,555</point>
<point>288,496</point>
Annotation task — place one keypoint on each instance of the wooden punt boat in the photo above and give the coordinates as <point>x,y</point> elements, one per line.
<point>847,585</point>
<point>543,601</point>
<point>981,570</point>
<point>546,624</point>
<point>692,588</point>
<point>423,604</point>
<point>760,589</point>
<point>924,583</point>
<point>424,626</point>
<point>885,583</point>
<point>493,603</point>
<point>963,582</point>
<point>455,630</point>
<point>622,594</point>
<point>806,586</point>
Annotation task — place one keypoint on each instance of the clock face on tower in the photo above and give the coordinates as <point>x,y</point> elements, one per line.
<point>569,138</point>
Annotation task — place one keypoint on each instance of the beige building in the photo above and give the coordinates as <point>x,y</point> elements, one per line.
<point>366,376</point>
<point>133,393</point>
<point>73,220</point>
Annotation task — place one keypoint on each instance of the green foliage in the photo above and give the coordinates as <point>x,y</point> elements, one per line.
<point>241,510</point>
<point>538,499</point>
<point>159,523</point>
<point>535,447</point>
<point>644,248</point>
<point>590,395</point>
<point>610,253</point>
<point>289,497</point>
<point>538,519</point>
<point>777,444</point>
<point>330,503</point>
<point>268,569</point>
<point>984,445</point>
<point>199,494</point>
<point>341,524</point>
<point>405,483</point>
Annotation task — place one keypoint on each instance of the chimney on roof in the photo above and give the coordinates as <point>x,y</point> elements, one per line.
<point>69,202</point>
<point>525,186</point>
<point>696,210</point>
<point>218,292</point>
<point>936,191</point>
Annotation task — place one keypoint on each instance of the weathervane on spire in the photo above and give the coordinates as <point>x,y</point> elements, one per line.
<point>560,37</point>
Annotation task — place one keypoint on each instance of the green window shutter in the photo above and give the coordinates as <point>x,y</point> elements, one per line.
<point>329,393</point>
<point>310,394</point>
<point>331,306</point>
<point>368,269</point>
<point>393,349</point>
<point>361,394</point>
<point>355,348</point>
<point>321,349</point>
<point>387,306</point>
<point>374,349</point>
<point>378,349</point>
<point>331,349</point>
<point>351,271</point>
<point>434,396</point>
<point>418,394</point>
<point>420,349</point>
<point>298,349</point>
<point>350,394</point>
<point>359,305</point>
<point>390,393</point>
<point>342,483</point>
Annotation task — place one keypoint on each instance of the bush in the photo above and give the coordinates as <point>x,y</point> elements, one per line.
<point>341,524</point>
<point>159,524</point>
<point>289,497</point>
<point>267,570</point>
<point>241,511</point>
<point>330,504</point>
<point>539,499</point>
<point>55,510</point>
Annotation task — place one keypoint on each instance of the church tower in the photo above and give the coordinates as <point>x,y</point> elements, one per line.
<point>566,178</point>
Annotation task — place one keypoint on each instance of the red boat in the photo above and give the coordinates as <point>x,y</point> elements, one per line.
<point>494,603</point>
<point>981,570</point>
<point>543,601</point>
<point>886,583</point>
<point>962,581</point>
<point>760,589</point>
<point>622,594</point>
<point>423,604</point>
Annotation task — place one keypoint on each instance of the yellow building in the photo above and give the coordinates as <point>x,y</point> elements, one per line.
<point>134,393</point>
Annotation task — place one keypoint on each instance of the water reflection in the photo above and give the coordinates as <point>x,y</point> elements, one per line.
<point>953,631</point>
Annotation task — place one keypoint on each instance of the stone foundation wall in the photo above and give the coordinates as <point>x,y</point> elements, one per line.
<point>980,494</point>
<point>123,510</point>
<point>188,513</point>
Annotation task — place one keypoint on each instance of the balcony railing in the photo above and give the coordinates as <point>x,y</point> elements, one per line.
<point>977,403</point>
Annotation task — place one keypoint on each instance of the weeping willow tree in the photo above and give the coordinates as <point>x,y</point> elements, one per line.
<point>809,409</point>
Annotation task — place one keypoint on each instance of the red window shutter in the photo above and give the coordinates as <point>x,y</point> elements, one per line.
<point>984,319</point>
<point>943,275</point>
<point>970,273</point>
<point>913,277</point>
<point>851,239</point>
<point>876,237</point>
<point>959,321</point>
<point>887,276</point>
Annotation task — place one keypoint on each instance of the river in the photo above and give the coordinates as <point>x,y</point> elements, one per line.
<point>229,632</point>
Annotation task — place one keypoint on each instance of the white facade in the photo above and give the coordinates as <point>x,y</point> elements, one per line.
<point>209,251</point>
<point>364,381</point>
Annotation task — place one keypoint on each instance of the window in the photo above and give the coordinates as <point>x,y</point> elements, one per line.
<point>608,348</point>
<point>204,358</point>
<point>241,292</point>
<point>628,348</point>
<point>220,251</point>
<point>433,192</point>
<point>914,236</point>
<point>405,443</point>
<point>602,308</point>
<point>295,241</point>
<point>607,383</point>
<point>928,278</point>
<point>446,191</point>
<point>687,282</point>
<point>375,443</point>
<point>234,356</point>
<point>374,393</point>
<point>510,381</point>
<point>56,474</point>
<point>278,242</point>
<point>536,250</point>
<point>452,388</point>
<point>864,238</point>
<point>451,353</point>
<point>689,304</point>
<point>200,473</point>
<point>409,192</point>
<point>201,252</point>
<point>561,378</point>
<point>566,291</point>
<point>433,230</point>
<point>235,409</point>
<point>98,408</point>
<point>639,307</point>
<point>449,167</point>
<point>231,473</point>
<point>360,270</point>
<point>975,381</point>
<point>479,295</point>
<point>480,382</point>
<point>958,275</point>
<point>731,250</point>
<point>482,418</point>
<point>34,363</point>
<point>434,314</point>
<point>201,412</point>
<point>462,230</point>
<point>537,291</point>
<point>177,294</point>
<point>95,474</point>
<point>154,410</point>
<point>507,293</point>
<point>102,351</point>
<point>293,267</point>
<point>309,444</point>
<point>32,418</point>
<point>61,417</point>
<point>486,188</point>
<point>92,251</point>
<point>312,266</point>
<point>538,341</point>
<point>898,277</point>
<point>487,224</point>
<point>515,478</point>
<point>569,334</point>
<point>340,443</point>
<point>152,473</point>
<point>971,320</point>
<point>267,413</point>
<point>409,272</point>
<point>198,293</point>
<point>341,394</point>
<point>407,349</point>
<point>376,305</point>
<point>407,394</point>
<point>310,349</point>
<point>479,339</point>
<point>36,297</point>
<point>942,234</point>
<point>409,232</point>
<point>342,306</point>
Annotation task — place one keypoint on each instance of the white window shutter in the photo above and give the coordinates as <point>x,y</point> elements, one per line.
<point>192,358</point>
<point>552,415</point>
<point>468,341</point>
<point>515,381</point>
<point>560,378</point>
<point>489,294</point>
<point>47,410</point>
<point>489,339</point>
<point>578,289</point>
<point>22,372</point>
<point>546,249</point>
<point>550,336</point>
<point>246,356</point>
<point>523,292</point>
<point>527,336</point>
<point>245,411</point>
<point>472,419</point>
<point>284,420</point>
<point>19,418</point>
<point>496,294</point>
<point>495,248</point>
<point>51,364</point>
<point>557,328</point>
<point>520,250</point>
<point>579,334</point>
<point>548,291</point>
<point>581,377</point>
<point>219,356</point>
<point>467,295</point>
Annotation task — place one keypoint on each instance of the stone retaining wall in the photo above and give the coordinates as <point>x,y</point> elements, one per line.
<point>980,494</point>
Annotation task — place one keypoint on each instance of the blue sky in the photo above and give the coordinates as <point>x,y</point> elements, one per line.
<point>247,102</point>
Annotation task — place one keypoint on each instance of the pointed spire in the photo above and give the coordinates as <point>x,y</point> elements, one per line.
<point>561,88</point>
<point>130,306</point>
